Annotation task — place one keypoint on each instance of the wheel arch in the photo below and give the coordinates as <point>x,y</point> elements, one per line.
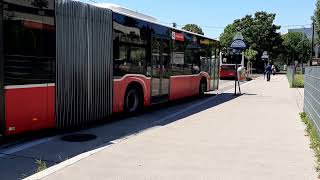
<point>204,77</point>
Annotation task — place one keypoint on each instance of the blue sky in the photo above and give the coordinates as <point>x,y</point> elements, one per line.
<point>219,13</point>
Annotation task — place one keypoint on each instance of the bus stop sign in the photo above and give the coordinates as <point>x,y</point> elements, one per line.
<point>238,44</point>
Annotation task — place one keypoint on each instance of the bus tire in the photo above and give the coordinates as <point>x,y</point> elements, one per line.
<point>133,99</point>
<point>202,87</point>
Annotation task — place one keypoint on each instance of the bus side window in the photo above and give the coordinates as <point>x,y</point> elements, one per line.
<point>29,45</point>
<point>178,58</point>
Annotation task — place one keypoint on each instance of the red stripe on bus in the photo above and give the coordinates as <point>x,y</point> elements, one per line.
<point>186,86</point>
<point>29,109</point>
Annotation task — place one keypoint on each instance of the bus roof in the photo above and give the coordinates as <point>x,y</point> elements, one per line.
<point>144,17</point>
<point>126,11</point>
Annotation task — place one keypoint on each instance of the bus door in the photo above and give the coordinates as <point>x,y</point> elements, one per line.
<point>160,63</point>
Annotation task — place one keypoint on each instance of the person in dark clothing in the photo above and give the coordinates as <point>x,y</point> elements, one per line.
<point>268,71</point>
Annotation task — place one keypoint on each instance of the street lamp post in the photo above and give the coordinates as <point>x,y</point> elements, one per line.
<point>302,55</point>
<point>312,42</point>
<point>238,46</point>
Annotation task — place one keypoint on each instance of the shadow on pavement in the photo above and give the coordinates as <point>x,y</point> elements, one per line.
<point>22,163</point>
<point>249,94</point>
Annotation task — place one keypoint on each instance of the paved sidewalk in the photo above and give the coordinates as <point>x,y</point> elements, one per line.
<point>300,98</point>
<point>258,135</point>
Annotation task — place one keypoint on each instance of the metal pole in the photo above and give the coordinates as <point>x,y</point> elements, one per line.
<point>312,42</point>
<point>264,70</point>
<point>239,87</point>
<point>302,55</point>
<point>238,77</point>
<point>235,80</point>
<point>292,76</point>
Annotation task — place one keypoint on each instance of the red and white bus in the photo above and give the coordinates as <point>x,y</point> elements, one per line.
<point>66,63</point>
<point>228,64</point>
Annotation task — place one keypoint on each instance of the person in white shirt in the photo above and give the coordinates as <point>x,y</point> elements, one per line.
<point>273,67</point>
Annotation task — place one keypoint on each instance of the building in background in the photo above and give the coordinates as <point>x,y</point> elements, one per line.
<point>308,33</point>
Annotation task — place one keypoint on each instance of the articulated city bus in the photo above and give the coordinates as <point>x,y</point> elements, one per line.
<point>67,63</point>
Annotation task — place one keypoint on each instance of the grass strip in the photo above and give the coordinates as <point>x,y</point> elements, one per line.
<point>298,81</point>
<point>314,138</point>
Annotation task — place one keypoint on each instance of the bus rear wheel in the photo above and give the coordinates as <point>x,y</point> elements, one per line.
<point>202,88</point>
<point>133,100</point>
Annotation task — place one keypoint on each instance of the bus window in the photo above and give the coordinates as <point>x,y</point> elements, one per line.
<point>29,43</point>
<point>129,45</point>
<point>178,57</point>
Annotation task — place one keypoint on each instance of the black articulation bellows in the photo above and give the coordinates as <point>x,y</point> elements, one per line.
<point>84,76</point>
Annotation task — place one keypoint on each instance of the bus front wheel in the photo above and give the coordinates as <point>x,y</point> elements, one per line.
<point>133,100</point>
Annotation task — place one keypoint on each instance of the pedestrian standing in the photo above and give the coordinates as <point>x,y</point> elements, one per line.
<point>268,71</point>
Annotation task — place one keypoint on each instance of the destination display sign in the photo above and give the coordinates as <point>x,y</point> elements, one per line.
<point>178,36</point>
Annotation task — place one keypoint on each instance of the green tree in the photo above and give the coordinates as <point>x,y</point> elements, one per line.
<point>259,32</point>
<point>296,47</point>
<point>251,54</point>
<point>193,28</point>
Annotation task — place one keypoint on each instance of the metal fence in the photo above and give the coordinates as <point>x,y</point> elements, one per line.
<point>295,76</point>
<point>312,94</point>
<point>290,74</point>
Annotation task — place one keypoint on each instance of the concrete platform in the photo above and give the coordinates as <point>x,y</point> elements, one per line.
<point>18,158</point>
<point>258,135</point>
